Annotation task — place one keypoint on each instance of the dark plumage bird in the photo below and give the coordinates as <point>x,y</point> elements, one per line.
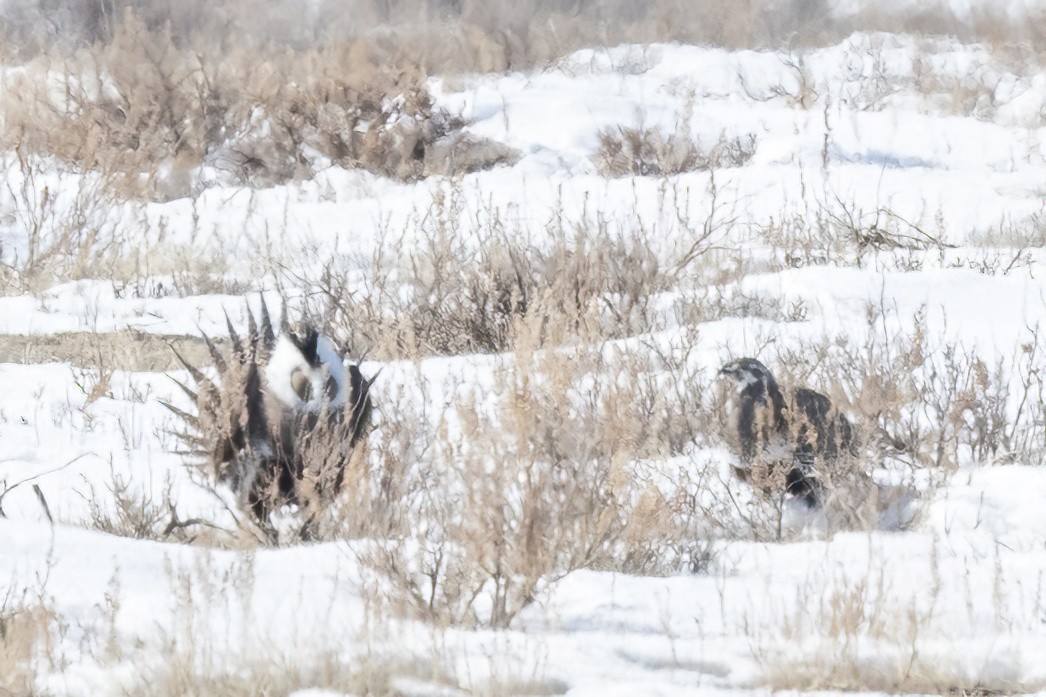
<point>795,436</point>
<point>279,422</point>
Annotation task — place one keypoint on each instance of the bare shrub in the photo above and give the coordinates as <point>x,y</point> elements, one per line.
<point>644,151</point>
<point>129,510</point>
<point>839,232</point>
<point>150,110</point>
<point>134,514</point>
<point>800,92</point>
<point>933,406</point>
<point>387,125</point>
<point>468,277</point>
<point>68,231</point>
<point>502,493</point>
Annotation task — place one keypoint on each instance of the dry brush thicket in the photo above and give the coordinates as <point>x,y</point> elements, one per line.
<point>643,151</point>
<point>857,633</point>
<point>144,110</point>
<point>154,102</point>
<point>577,451</point>
<point>474,35</point>
<point>503,487</point>
<point>145,93</point>
<point>579,448</point>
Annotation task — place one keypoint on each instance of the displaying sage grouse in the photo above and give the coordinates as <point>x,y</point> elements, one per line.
<point>281,418</point>
<point>785,441</point>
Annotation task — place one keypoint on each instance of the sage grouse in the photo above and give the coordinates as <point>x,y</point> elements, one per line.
<point>280,420</point>
<point>785,442</point>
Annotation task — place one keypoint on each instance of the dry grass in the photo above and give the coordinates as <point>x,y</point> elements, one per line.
<point>535,483</point>
<point>145,93</point>
<point>836,232</point>
<point>467,280</point>
<point>76,224</point>
<point>266,671</point>
<point>199,648</point>
<point>469,35</point>
<point>68,230</point>
<point>126,350</point>
<point>928,403</point>
<point>1017,235</point>
<point>643,151</point>
<point>147,111</point>
<point>26,633</point>
<point>481,502</point>
<point>860,634</point>
<point>272,674</point>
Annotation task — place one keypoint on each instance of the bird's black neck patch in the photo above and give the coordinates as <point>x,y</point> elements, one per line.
<point>306,340</point>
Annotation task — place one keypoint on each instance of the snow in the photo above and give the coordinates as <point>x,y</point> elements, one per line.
<point>1004,308</point>
<point>95,306</point>
<point>957,596</point>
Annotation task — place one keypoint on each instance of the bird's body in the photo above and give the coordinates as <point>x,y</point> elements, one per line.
<point>281,419</point>
<point>784,441</point>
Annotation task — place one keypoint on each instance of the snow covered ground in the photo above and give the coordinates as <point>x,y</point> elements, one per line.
<point>909,135</point>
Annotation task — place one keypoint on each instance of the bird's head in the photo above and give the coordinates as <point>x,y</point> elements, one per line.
<point>747,372</point>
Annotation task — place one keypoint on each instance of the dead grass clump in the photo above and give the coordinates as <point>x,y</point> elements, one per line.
<point>714,303</point>
<point>649,152</point>
<point>973,93</point>
<point>26,632</point>
<point>127,509</point>
<point>183,673</point>
<point>150,110</point>
<point>388,126</point>
<point>134,514</point>
<point>458,299</point>
<point>1019,235</point>
<point>128,350</point>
